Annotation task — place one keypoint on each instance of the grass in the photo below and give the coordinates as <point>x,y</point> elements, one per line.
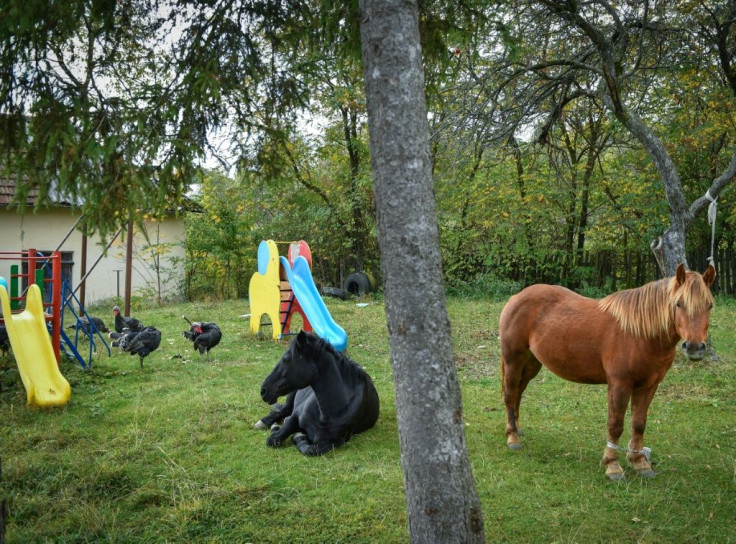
<point>169,454</point>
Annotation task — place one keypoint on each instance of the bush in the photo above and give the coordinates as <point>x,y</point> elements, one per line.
<point>484,286</point>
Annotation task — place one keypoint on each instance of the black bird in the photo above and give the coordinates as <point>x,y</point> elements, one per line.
<point>121,322</point>
<point>204,336</point>
<point>140,343</point>
<point>84,324</point>
<point>4,340</point>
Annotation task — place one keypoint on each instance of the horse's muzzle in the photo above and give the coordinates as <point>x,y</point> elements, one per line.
<point>268,395</point>
<point>695,351</point>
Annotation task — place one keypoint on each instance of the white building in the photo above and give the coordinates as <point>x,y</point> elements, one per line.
<point>158,253</point>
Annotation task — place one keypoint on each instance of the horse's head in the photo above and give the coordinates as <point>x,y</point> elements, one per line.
<point>693,300</point>
<point>295,370</point>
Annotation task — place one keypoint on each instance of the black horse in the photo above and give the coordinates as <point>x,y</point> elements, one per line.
<point>330,397</point>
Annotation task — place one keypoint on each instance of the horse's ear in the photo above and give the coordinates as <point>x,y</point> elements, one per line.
<point>709,276</point>
<point>680,273</point>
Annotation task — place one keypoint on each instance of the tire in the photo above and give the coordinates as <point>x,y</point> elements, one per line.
<point>334,292</point>
<point>357,284</point>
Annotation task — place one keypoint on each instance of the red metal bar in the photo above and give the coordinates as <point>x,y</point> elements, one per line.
<point>31,257</point>
<point>31,268</point>
<point>56,305</point>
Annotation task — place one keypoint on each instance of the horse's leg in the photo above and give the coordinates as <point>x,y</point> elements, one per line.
<point>530,371</point>
<point>618,400</point>
<point>517,373</point>
<point>279,433</point>
<point>511,399</point>
<point>277,414</point>
<point>640,401</point>
<point>308,448</point>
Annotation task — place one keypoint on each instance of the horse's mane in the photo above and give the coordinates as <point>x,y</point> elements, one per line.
<point>349,369</point>
<point>648,311</point>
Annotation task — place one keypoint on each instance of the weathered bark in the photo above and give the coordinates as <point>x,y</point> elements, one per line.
<point>441,499</point>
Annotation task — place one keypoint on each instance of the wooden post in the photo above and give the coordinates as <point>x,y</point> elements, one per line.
<point>128,267</point>
<point>83,273</point>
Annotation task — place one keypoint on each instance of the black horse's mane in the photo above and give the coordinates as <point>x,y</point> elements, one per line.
<point>349,369</point>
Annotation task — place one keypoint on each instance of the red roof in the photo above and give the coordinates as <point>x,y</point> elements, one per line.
<point>7,191</point>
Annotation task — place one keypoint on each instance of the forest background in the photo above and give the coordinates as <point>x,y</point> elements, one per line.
<point>535,180</point>
<point>522,198</point>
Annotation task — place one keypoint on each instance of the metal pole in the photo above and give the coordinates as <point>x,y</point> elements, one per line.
<point>70,232</point>
<point>117,276</point>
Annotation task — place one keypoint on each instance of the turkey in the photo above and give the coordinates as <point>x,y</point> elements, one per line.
<point>83,324</point>
<point>4,340</point>
<point>204,336</point>
<point>121,322</point>
<point>140,343</point>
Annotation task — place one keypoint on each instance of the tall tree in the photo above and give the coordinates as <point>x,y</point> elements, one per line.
<point>113,103</point>
<point>442,502</point>
<point>620,55</point>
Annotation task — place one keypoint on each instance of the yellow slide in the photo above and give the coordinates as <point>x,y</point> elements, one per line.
<point>29,338</point>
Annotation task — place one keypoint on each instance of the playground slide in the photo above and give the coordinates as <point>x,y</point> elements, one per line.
<point>29,338</point>
<point>302,283</point>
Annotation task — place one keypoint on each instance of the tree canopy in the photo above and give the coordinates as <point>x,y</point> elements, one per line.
<point>556,127</point>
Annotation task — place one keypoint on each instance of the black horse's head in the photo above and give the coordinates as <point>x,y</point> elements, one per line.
<point>295,370</point>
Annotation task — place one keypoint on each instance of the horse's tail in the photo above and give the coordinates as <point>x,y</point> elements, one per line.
<point>503,374</point>
<point>501,319</point>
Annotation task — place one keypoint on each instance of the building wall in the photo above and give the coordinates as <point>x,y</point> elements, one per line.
<point>45,230</point>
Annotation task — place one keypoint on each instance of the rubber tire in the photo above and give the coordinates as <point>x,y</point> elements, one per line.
<point>357,284</point>
<point>334,292</point>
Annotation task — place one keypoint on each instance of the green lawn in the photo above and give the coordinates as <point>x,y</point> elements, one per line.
<point>169,454</point>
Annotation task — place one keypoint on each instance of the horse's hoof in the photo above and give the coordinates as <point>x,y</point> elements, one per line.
<point>615,473</point>
<point>512,441</point>
<point>643,468</point>
<point>646,473</point>
<point>260,425</point>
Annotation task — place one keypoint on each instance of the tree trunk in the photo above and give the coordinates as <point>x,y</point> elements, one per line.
<point>441,499</point>
<point>358,233</point>
<point>598,142</point>
<point>669,248</point>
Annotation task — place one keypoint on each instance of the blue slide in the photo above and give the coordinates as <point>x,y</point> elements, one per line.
<point>305,291</point>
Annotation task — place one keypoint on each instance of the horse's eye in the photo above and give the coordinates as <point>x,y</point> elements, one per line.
<point>679,304</point>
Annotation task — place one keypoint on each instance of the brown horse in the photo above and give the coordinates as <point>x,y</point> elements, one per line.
<point>626,340</point>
